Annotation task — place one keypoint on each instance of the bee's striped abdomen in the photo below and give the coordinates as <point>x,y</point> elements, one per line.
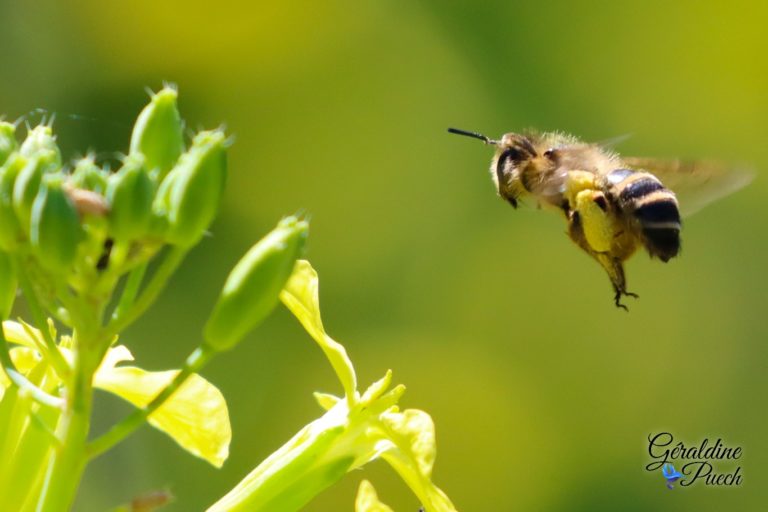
<point>642,196</point>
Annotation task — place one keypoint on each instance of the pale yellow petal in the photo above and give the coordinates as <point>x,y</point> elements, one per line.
<point>115,355</point>
<point>367,500</point>
<point>326,401</point>
<point>4,382</point>
<point>377,389</point>
<point>431,496</point>
<point>24,359</point>
<point>195,416</point>
<point>414,433</point>
<point>301,297</point>
<point>412,455</point>
<point>16,333</point>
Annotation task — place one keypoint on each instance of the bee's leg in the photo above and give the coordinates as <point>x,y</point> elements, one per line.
<point>510,199</point>
<point>597,232</point>
<point>615,270</point>
<point>612,265</point>
<point>617,297</point>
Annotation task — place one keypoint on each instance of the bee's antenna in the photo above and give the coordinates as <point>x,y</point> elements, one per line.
<point>474,135</point>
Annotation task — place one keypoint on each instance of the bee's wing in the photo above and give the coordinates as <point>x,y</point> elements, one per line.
<point>581,157</point>
<point>695,183</point>
<point>613,141</point>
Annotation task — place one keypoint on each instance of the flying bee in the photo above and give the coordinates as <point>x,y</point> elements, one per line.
<point>613,205</point>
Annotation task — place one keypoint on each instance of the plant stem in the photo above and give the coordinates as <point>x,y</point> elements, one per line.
<point>68,462</point>
<point>131,289</point>
<point>196,360</point>
<point>156,285</point>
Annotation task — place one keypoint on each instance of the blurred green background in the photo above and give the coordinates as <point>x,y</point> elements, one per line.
<point>542,392</point>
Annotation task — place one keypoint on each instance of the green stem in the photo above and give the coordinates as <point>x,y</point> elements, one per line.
<point>37,394</point>
<point>75,309</point>
<point>196,360</point>
<point>153,289</point>
<point>67,464</point>
<point>59,312</point>
<point>130,291</point>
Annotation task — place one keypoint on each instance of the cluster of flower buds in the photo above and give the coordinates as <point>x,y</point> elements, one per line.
<point>67,218</point>
<point>79,240</point>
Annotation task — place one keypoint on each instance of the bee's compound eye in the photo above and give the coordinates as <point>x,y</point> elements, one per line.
<point>511,153</point>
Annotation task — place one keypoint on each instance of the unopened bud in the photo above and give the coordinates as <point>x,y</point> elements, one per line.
<point>40,141</point>
<point>89,176</point>
<point>10,231</point>
<point>7,285</point>
<point>253,287</point>
<point>55,227</point>
<point>189,196</point>
<point>8,143</point>
<point>129,194</point>
<point>27,184</point>
<point>158,134</point>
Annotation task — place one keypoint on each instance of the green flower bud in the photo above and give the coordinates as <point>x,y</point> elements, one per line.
<point>55,229</point>
<point>162,204</point>
<point>7,286</point>
<point>129,194</point>
<point>89,176</point>
<point>158,135</point>
<point>8,142</point>
<point>253,287</point>
<point>189,196</point>
<point>27,184</point>
<point>40,140</point>
<point>10,231</point>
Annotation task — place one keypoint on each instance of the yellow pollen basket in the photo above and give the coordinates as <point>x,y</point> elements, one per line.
<point>583,197</point>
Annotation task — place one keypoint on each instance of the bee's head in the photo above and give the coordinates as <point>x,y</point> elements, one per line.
<point>513,154</point>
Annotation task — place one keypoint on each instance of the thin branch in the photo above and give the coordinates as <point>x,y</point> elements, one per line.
<point>199,358</point>
<point>150,293</point>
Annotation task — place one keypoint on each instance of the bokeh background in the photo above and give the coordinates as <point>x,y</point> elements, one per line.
<point>542,392</point>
